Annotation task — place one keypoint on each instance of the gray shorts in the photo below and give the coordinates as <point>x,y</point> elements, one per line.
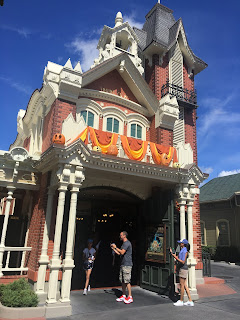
<point>183,273</point>
<point>125,274</point>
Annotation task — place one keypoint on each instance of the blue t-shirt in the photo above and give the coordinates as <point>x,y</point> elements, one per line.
<point>181,256</point>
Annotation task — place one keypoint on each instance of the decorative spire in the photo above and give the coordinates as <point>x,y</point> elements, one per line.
<point>159,1</point>
<point>78,67</point>
<point>119,19</point>
<point>68,64</point>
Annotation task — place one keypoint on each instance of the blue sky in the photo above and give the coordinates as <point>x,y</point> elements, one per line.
<point>34,32</point>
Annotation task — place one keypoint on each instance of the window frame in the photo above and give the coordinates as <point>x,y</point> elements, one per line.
<point>204,233</point>
<point>218,233</point>
<point>136,131</point>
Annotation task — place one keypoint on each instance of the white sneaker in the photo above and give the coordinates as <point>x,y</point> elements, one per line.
<point>189,304</point>
<point>179,303</point>
<point>89,288</point>
<point>85,292</point>
<point>122,298</point>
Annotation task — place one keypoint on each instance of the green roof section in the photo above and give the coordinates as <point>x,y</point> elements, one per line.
<point>221,188</point>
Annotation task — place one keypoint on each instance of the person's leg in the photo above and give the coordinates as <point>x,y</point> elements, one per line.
<point>88,273</point>
<point>124,288</point>
<point>182,281</point>
<point>187,290</point>
<point>129,288</point>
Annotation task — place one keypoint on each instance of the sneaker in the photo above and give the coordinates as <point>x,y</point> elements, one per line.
<point>122,298</point>
<point>128,300</point>
<point>179,303</point>
<point>89,288</point>
<point>85,292</point>
<point>189,304</point>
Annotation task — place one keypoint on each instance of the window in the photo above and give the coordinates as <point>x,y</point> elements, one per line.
<point>136,131</point>
<point>223,236</point>
<point>112,125</point>
<point>88,117</point>
<point>203,233</point>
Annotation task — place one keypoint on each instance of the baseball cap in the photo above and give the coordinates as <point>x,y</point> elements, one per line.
<point>184,241</point>
<point>90,241</point>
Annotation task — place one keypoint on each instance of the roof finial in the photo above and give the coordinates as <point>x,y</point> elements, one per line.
<point>159,1</point>
<point>119,19</point>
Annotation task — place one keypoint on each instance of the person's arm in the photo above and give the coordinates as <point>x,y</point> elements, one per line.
<point>117,250</point>
<point>176,257</point>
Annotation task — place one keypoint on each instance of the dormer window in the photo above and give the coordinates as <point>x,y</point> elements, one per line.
<point>88,117</point>
<point>112,125</point>
<point>136,131</point>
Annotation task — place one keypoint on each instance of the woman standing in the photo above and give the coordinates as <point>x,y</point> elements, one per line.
<point>89,255</point>
<point>182,270</point>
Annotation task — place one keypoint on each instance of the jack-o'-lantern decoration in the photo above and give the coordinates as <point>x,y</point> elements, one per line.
<point>112,150</point>
<point>164,159</point>
<point>176,165</point>
<point>59,138</point>
<point>97,149</point>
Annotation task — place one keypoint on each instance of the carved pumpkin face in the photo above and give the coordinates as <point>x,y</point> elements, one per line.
<point>112,150</point>
<point>59,138</point>
<point>176,165</point>
<point>164,159</point>
<point>97,148</point>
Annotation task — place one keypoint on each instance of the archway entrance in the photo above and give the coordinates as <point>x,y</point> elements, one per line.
<point>101,214</point>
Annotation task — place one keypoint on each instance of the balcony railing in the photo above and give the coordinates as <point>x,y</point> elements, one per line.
<point>180,93</point>
<point>18,261</point>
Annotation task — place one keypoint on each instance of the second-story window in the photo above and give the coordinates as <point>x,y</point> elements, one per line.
<point>136,131</point>
<point>112,125</point>
<point>88,117</point>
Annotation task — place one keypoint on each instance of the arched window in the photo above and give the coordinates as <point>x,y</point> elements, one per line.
<point>88,117</point>
<point>112,125</point>
<point>203,233</point>
<point>136,131</point>
<point>223,233</point>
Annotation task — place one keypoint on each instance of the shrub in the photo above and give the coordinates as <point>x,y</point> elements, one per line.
<point>18,294</point>
<point>209,249</point>
<point>228,254</point>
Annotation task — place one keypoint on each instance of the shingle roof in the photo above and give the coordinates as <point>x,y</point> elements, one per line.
<point>161,27</point>
<point>219,189</point>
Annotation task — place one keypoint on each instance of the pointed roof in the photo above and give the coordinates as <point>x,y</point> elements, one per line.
<point>220,189</point>
<point>162,29</point>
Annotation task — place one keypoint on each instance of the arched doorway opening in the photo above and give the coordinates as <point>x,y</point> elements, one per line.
<point>102,213</point>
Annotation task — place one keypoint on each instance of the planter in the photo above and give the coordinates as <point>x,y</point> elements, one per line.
<point>22,313</point>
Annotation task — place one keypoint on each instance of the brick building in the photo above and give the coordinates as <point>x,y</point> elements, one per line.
<point>109,149</point>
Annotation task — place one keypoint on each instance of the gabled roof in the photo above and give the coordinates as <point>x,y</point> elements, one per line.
<point>219,189</point>
<point>162,29</point>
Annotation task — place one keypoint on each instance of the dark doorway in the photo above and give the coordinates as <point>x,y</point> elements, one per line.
<point>101,215</point>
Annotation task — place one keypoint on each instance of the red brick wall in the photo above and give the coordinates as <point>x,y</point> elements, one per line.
<point>36,228</point>
<point>153,131</point>
<point>164,136</point>
<point>26,143</point>
<point>157,75</point>
<point>188,83</point>
<point>197,248</point>
<point>190,131</point>
<point>113,83</point>
<point>53,120</point>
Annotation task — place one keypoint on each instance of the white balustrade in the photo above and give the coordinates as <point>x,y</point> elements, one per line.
<point>9,250</point>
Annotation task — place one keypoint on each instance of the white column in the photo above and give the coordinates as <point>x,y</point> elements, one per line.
<point>191,260</point>
<point>182,204</point>
<point>68,263</point>
<point>55,263</point>
<point>5,225</point>
<point>44,259</point>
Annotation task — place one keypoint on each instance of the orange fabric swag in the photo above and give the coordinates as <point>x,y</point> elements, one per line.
<point>102,139</point>
<point>158,150</point>
<point>135,149</point>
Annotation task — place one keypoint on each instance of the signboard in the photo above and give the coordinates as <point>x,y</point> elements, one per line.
<point>156,244</point>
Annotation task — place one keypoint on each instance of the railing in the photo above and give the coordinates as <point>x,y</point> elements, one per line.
<point>180,93</point>
<point>21,268</point>
<point>206,259</point>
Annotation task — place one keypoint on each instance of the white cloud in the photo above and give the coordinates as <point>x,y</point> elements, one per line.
<point>24,32</point>
<point>131,19</point>
<point>228,173</point>
<point>18,86</point>
<point>87,50</point>
<point>208,170</point>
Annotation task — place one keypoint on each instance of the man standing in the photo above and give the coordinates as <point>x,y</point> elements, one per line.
<point>126,266</point>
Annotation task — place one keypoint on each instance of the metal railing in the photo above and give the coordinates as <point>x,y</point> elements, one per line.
<point>206,259</point>
<point>180,93</point>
